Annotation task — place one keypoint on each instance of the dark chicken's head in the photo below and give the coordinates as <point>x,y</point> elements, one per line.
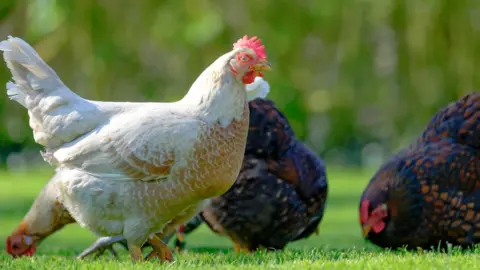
<point>392,200</point>
<point>377,204</point>
<point>372,219</point>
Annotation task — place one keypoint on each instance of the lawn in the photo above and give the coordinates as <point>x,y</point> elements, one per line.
<point>339,245</point>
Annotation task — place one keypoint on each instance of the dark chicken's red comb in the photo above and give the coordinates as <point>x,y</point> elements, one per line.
<point>253,43</point>
<point>364,211</point>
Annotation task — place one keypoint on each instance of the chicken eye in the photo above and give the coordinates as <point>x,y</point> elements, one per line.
<point>244,58</point>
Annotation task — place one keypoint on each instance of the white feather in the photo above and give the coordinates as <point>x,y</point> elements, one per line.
<point>104,151</point>
<point>57,115</point>
<point>258,89</point>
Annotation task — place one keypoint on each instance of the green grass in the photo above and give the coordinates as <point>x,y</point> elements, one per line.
<point>339,245</point>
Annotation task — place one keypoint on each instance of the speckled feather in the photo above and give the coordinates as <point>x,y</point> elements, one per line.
<point>432,187</point>
<point>281,191</point>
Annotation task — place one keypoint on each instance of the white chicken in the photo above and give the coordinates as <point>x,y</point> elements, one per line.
<point>132,169</point>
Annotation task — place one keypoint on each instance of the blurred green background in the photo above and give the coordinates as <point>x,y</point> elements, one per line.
<point>357,78</point>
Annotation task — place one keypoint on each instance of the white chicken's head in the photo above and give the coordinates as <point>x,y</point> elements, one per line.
<point>249,60</point>
<point>20,243</point>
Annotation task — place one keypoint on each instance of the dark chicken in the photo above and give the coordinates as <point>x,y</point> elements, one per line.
<point>428,194</point>
<point>279,195</point>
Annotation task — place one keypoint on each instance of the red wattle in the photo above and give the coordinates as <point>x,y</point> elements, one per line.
<point>378,226</point>
<point>249,77</point>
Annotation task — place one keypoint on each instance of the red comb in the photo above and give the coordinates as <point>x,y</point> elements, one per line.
<point>253,43</point>
<point>364,211</point>
<point>8,245</point>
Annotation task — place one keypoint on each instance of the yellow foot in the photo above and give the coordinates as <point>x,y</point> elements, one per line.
<point>160,250</point>
<point>135,253</point>
<point>237,248</point>
<point>163,258</point>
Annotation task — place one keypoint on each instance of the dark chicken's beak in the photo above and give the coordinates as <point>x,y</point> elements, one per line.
<point>366,229</point>
<point>261,66</point>
<point>373,221</point>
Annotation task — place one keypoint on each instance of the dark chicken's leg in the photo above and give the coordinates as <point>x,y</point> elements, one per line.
<point>237,248</point>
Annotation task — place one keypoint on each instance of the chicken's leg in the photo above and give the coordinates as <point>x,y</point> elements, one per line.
<point>135,252</point>
<point>237,248</point>
<point>103,244</point>
<point>180,242</point>
<point>160,250</point>
<point>261,248</point>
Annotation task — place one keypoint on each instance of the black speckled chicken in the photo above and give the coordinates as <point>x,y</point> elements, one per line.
<point>428,194</point>
<point>279,195</point>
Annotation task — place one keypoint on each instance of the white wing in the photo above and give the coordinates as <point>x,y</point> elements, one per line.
<point>142,144</point>
<point>118,139</point>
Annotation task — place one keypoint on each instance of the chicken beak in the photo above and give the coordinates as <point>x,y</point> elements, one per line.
<point>366,229</point>
<point>261,66</point>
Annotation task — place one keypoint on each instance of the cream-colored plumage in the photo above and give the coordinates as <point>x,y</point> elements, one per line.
<point>134,169</point>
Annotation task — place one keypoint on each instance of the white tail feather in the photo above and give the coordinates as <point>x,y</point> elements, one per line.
<point>258,89</point>
<point>57,115</point>
<point>29,71</point>
<point>16,95</point>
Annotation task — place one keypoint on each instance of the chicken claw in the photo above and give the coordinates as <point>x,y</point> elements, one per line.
<point>99,247</point>
<point>160,250</point>
<point>135,253</point>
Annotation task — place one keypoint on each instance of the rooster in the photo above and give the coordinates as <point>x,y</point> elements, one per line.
<point>428,194</point>
<point>279,195</point>
<point>134,169</point>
